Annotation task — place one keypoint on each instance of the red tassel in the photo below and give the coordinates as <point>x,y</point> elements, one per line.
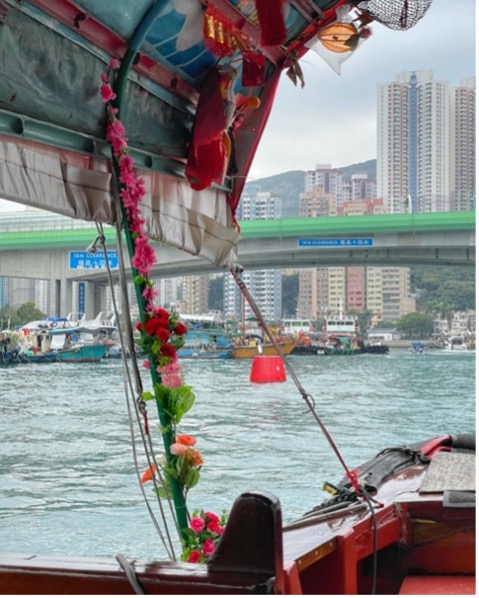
<point>271,22</point>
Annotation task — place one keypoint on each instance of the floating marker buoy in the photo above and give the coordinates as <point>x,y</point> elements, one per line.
<point>267,368</point>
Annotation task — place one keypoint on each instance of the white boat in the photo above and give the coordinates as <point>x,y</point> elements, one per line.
<point>456,343</point>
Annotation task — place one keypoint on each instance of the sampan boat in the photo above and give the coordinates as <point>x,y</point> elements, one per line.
<point>412,532</point>
<point>146,115</point>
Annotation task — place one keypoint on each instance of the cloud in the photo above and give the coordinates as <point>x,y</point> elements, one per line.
<point>333,119</point>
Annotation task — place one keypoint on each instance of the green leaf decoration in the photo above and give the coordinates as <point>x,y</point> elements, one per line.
<point>147,396</point>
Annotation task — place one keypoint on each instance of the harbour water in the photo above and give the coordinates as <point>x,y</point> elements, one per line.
<point>67,479</point>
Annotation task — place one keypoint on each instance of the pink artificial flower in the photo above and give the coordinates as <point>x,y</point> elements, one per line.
<point>197,524</point>
<point>208,547</point>
<point>107,93</point>
<point>114,63</point>
<point>146,364</point>
<point>128,179</point>
<point>178,449</point>
<point>195,556</point>
<point>126,163</point>
<point>149,294</point>
<point>172,381</point>
<point>104,77</point>
<point>173,367</point>
<point>115,129</point>
<point>144,256</point>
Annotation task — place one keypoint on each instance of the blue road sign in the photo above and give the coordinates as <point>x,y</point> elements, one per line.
<point>82,260</point>
<point>346,242</point>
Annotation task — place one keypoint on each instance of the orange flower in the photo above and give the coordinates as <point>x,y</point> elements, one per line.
<point>185,439</point>
<point>196,458</point>
<point>148,474</point>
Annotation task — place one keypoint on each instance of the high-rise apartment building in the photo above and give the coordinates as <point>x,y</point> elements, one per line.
<point>330,180</point>
<point>264,285</point>
<point>463,145</point>
<point>425,143</point>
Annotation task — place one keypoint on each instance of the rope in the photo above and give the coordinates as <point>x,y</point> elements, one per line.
<point>308,399</point>
<point>129,571</point>
<point>130,394</point>
<point>351,475</point>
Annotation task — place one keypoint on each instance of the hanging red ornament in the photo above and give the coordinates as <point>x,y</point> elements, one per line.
<point>271,22</point>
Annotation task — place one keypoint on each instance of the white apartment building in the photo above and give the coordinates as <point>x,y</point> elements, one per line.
<point>330,180</point>
<point>264,285</point>
<point>359,188</point>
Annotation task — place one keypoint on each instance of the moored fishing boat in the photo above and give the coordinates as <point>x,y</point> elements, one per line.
<point>395,524</point>
<point>206,343</point>
<point>257,347</point>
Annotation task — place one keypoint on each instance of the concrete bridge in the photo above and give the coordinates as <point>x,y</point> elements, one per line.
<point>437,238</point>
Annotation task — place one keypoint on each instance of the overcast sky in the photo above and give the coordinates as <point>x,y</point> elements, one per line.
<point>333,119</point>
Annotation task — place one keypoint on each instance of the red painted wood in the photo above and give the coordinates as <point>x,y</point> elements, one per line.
<point>439,584</point>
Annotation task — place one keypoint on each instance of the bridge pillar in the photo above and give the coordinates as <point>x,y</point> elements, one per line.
<point>66,299</point>
<point>60,297</point>
<point>95,300</point>
<point>54,308</point>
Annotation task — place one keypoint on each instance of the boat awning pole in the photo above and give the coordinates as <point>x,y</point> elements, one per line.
<point>119,88</point>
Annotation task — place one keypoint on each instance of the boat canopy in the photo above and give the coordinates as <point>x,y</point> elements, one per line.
<point>195,88</point>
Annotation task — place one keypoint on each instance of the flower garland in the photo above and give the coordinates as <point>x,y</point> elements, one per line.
<point>162,334</point>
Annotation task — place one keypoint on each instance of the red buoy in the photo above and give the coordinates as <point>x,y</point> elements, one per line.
<point>267,368</point>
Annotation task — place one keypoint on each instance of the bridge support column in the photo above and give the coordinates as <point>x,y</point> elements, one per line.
<point>54,308</point>
<point>66,298</point>
<point>100,299</point>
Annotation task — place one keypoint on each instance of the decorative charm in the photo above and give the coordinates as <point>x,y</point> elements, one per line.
<point>218,33</point>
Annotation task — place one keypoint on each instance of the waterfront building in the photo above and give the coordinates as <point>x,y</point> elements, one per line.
<point>195,294</point>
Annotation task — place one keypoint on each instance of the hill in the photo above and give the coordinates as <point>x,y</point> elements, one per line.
<point>289,185</point>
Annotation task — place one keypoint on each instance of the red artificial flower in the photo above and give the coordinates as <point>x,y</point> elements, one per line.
<point>139,326</point>
<point>180,329</point>
<point>211,517</point>
<point>152,325</point>
<point>195,556</point>
<point>162,313</point>
<point>213,526</point>
<point>168,350</point>
<point>162,334</point>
